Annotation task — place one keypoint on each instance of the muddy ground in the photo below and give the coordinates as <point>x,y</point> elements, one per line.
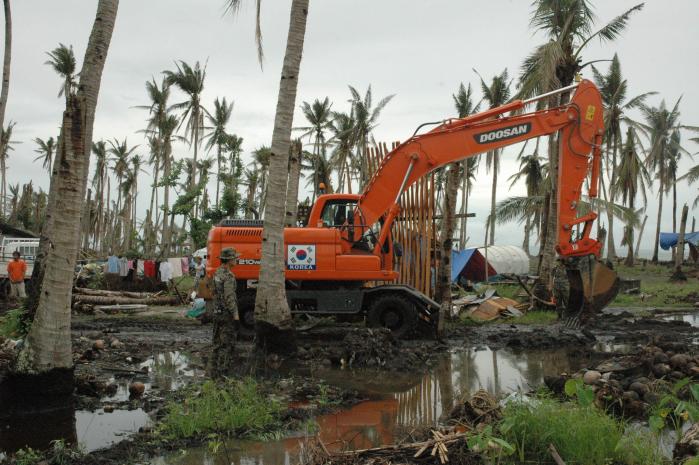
<point>128,366</point>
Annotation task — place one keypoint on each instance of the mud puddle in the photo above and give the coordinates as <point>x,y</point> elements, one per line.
<point>399,402</point>
<point>691,318</point>
<point>98,423</point>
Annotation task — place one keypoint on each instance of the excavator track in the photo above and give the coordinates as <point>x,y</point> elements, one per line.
<point>590,286</point>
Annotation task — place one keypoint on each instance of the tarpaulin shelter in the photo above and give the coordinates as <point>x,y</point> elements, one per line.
<point>470,264</point>
<point>668,239</point>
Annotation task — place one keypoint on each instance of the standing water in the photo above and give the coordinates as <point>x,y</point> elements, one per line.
<point>398,402</point>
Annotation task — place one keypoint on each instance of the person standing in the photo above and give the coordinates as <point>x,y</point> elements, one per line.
<point>225,316</point>
<point>16,271</point>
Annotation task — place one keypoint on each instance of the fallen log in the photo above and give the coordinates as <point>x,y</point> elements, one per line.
<point>106,293</point>
<point>117,300</point>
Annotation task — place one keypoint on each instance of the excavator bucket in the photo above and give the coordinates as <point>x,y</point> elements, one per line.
<point>591,286</point>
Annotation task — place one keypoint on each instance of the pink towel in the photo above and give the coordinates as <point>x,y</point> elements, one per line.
<point>131,264</point>
<point>185,265</point>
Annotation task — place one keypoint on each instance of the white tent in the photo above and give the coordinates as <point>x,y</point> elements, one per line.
<point>507,259</point>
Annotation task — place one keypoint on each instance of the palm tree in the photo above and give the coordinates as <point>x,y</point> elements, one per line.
<point>6,144</point>
<point>495,94</point>
<point>463,101</point>
<point>62,60</point>
<point>292,188</point>
<point>120,157</point>
<point>158,111</point>
<point>167,130</point>
<point>46,150</point>
<point>341,128</point>
<point>631,179</point>
<point>99,179</point>
<point>48,344</point>
<point>569,26</point>
<point>366,118</point>
<point>534,175</point>
<point>218,136</point>
<point>659,126</point>
<point>613,88</point>
<point>319,116</point>
<point>136,163</point>
<point>261,159</point>
<point>6,62</point>
<point>252,178</point>
<point>190,81</point>
<point>274,326</point>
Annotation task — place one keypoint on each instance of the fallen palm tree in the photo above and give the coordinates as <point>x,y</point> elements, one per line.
<point>83,296</point>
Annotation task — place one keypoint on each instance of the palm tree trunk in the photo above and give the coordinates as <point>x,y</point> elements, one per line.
<point>493,195</point>
<point>3,98</point>
<point>464,206</point>
<point>661,194</point>
<point>443,288</point>
<point>525,242</point>
<point>86,220</point>
<point>107,211</point>
<point>547,254</point>
<point>274,326</point>
<point>611,248</point>
<point>218,173</point>
<point>292,188</point>
<point>48,344</point>
<point>674,211</point>
<point>640,235</point>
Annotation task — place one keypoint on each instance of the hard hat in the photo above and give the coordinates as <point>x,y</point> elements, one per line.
<point>229,253</point>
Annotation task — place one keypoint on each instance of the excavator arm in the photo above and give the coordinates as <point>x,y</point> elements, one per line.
<point>580,126</point>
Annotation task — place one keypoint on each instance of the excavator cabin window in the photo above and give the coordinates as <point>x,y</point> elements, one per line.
<point>338,212</point>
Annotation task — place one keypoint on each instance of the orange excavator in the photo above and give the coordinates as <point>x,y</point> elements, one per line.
<point>333,265</point>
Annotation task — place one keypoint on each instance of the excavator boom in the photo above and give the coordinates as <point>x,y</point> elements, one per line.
<point>580,128</point>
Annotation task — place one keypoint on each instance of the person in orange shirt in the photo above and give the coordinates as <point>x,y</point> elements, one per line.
<point>16,269</point>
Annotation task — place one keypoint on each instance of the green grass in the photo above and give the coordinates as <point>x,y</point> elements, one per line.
<point>533,317</point>
<point>236,408</point>
<point>658,290</point>
<point>582,435</point>
<point>11,325</point>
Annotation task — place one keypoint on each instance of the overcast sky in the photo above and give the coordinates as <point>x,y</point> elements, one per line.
<point>419,50</point>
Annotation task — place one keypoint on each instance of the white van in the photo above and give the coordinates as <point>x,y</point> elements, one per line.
<point>28,248</point>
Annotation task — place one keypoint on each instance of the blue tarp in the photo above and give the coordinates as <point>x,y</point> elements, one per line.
<point>469,264</point>
<point>668,240</point>
<point>459,259</point>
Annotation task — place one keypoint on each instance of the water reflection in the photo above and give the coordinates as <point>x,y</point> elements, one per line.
<point>93,430</point>
<point>402,400</point>
<point>691,318</point>
<point>98,429</point>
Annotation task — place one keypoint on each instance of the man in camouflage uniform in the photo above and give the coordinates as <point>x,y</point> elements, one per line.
<point>225,315</point>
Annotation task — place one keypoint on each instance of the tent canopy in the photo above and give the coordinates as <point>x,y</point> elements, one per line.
<point>470,263</point>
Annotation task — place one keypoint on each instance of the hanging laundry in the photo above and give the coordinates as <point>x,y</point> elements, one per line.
<point>165,271</point>
<point>185,265</point>
<point>175,267</point>
<point>140,267</point>
<point>123,266</point>
<point>149,268</point>
<point>112,264</point>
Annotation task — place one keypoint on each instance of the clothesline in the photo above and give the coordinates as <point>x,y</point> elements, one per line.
<point>165,269</point>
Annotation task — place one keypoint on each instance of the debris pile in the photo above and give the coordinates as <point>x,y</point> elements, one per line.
<point>487,307</point>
